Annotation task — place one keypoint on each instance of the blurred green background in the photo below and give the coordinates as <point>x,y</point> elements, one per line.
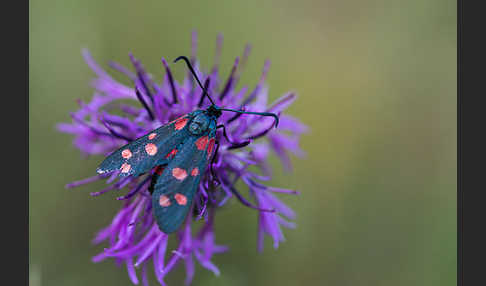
<point>377,86</point>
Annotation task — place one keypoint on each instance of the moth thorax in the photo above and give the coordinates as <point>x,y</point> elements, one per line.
<point>199,124</point>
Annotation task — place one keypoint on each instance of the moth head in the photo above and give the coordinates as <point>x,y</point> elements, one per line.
<point>214,111</point>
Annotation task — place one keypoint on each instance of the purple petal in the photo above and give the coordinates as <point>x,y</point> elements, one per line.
<point>93,65</point>
<point>281,207</point>
<point>148,251</point>
<point>282,103</point>
<point>207,263</point>
<point>85,181</point>
<point>289,123</point>
<point>189,269</point>
<point>131,271</point>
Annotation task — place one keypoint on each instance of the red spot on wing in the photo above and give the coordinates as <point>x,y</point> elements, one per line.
<point>126,154</point>
<point>159,170</point>
<point>152,136</point>
<point>181,199</point>
<point>202,142</point>
<point>125,168</point>
<point>181,123</point>
<point>177,119</point>
<point>211,147</point>
<point>164,201</point>
<point>151,149</point>
<point>195,172</point>
<point>171,153</point>
<point>179,174</point>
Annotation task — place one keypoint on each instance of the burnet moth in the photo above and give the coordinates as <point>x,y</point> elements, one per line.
<point>179,154</point>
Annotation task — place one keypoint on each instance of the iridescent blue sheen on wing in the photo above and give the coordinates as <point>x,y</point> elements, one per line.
<point>175,188</point>
<point>150,150</point>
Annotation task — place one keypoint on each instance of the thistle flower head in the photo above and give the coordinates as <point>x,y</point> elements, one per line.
<point>109,121</point>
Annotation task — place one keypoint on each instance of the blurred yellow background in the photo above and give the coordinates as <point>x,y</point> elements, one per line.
<point>377,86</point>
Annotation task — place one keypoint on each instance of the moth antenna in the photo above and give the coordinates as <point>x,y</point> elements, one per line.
<point>256,113</point>
<point>194,74</point>
<point>206,86</point>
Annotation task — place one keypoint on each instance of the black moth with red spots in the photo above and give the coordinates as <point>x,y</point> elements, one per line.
<point>179,154</point>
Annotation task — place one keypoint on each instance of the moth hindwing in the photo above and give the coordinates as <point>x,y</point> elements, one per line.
<point>174,188</point>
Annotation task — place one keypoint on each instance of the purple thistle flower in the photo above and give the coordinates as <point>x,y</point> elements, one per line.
<point>133,237</point>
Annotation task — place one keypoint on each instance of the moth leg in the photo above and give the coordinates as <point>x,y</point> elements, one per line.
<point>208,194</point>
<point>135,190</point>
<point>245,201</point>
<point>261,134</point>
<point>155,175</point>
<point>213,173</point>
<point>202,209</point>
<point>234,145</point>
